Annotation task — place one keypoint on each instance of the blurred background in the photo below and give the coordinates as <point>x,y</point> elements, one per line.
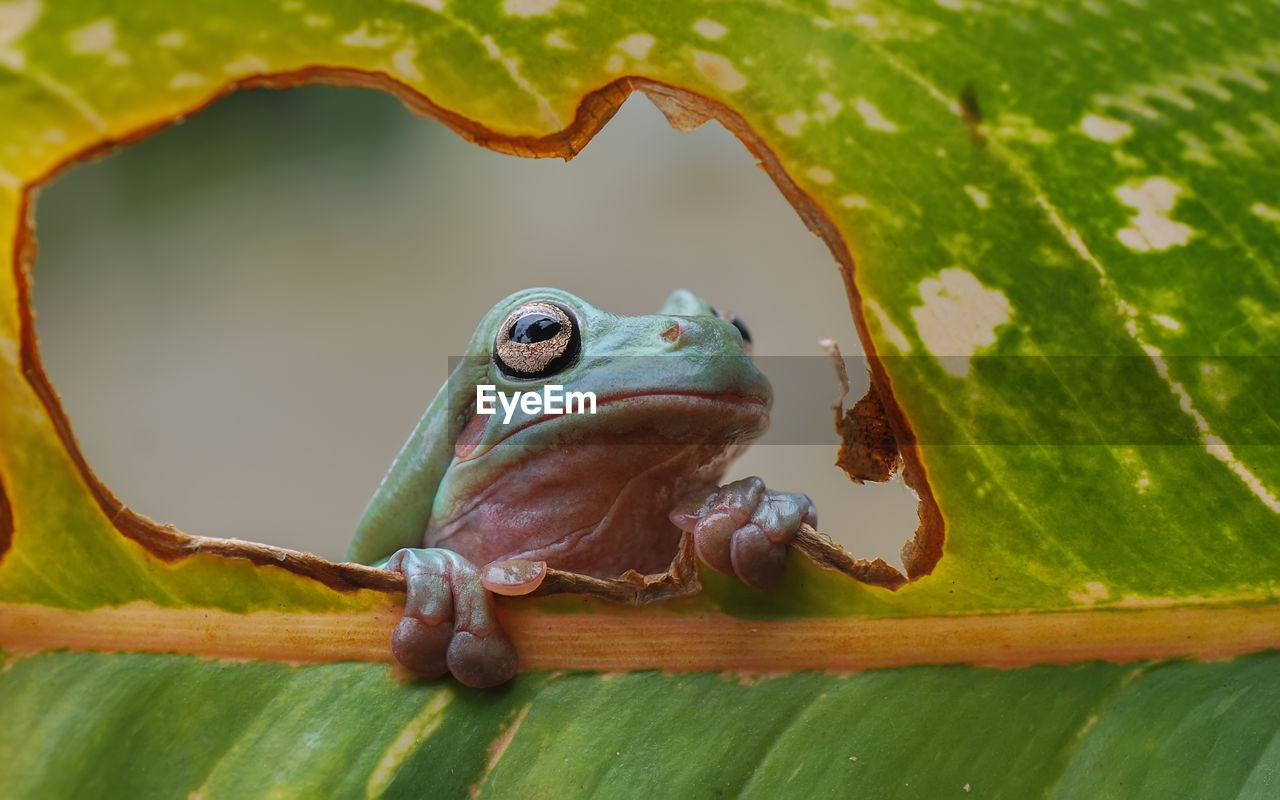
<point>247,313</point>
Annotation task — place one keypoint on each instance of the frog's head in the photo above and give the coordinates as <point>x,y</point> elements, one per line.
<point>682,375</point>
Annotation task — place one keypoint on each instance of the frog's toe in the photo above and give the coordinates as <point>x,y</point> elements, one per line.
<point>745,529</point>
<point>780,515</point>
<point>713,540</point>
<point>421,647</point>
<point>757,559</point>
<point>482,661</point>
<point>449,623</point>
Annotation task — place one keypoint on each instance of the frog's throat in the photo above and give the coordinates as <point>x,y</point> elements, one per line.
<point>610,512</point>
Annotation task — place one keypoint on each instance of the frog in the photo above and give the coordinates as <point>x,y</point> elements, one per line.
<point>482,500</point>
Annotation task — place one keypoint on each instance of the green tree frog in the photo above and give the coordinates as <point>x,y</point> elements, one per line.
<point>483,502</point>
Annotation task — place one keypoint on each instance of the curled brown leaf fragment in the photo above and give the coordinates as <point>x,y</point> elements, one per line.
<point>868,447</point>
<point>829,555</point>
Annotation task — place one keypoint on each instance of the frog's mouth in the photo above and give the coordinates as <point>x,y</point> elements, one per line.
<point>627,418</point>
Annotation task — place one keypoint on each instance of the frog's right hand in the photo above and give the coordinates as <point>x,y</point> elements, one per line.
<point>449,623</point>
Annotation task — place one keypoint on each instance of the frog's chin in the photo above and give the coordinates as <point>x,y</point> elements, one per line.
<point>729,420</point>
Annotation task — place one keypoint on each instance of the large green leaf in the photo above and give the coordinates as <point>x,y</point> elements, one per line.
<point>220,729</point>
<point>1065,226</point>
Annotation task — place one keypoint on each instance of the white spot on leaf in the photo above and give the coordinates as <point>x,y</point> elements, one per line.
<point>1246,78</point>
<point>709,29</point>
<point>1196,149</point>
<point>171,39</point>
<point>820,64</point>
<point>405,61</point>
<point>1151,228</point>
<point>1168,322</point>
<point>1021,128</point>
<point>872,117</point>
<point>1209,87</point>
<point>1264,211</point>
<point>791,124</point>
<point>821,175</point>
<point>1103,129</point>
<point>361,37</point>
<point>854,201</point>
<point>185,80</point>
<point>1093,592</point>
<point>959,316</point>
<point>557,40</point>
<point>97,39</point>
<point>637,45</point>
<point>528,8</point>
<point>891,332</point>
<point>719,70</point>
<point>978,197</point>
<point>15,20</point>
<point>245,64</point>
<point>831,106</point>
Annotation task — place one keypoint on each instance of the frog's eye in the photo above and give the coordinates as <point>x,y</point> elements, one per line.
<point>536,340</point>
<point>732,319</point>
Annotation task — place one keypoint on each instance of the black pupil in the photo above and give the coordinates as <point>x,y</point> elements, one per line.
<point>742,329</point>
<point>534,328</point>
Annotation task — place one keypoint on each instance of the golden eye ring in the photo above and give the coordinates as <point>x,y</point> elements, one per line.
<point>536,340</point>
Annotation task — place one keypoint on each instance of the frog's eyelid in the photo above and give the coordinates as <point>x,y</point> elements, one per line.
<point>734,320</point>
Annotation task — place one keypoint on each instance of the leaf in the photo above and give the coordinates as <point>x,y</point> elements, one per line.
<point>212,728</point>
<point>1064,223</point>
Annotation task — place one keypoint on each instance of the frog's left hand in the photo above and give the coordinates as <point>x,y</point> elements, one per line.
<point>449,623</point>
<point>745,529</point>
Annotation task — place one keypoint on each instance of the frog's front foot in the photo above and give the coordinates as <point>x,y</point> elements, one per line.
<point>449,623</point>
<point>745,529</point>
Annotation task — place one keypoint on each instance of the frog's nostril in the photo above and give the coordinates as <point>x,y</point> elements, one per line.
<point>672,334</point>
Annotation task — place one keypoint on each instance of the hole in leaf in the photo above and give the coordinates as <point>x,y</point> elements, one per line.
<point>246,314</point>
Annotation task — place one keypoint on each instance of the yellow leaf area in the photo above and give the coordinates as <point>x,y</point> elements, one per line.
<point>539,78</point>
